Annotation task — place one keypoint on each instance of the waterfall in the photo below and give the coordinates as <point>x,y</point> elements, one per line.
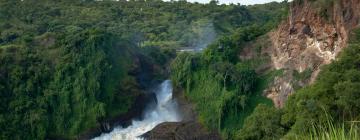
<point>166,110</point>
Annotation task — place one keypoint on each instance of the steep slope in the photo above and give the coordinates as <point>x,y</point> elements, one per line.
<point>223,88</point>
<point>317,50</point>
<point>313,35</point>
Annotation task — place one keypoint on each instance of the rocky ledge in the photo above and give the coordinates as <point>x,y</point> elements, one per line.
<point>180,131</point>
<point>188,129</point>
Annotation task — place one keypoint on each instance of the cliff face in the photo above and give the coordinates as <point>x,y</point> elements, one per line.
<point>313,35</point>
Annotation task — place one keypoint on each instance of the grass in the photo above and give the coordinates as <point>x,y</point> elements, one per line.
<point>331,131</point>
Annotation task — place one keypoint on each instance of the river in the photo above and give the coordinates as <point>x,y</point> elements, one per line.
<point>166,110</point>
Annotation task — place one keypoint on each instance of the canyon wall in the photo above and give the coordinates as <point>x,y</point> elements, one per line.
<point>312,36</point>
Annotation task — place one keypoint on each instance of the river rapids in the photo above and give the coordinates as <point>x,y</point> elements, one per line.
<point>166,110</point>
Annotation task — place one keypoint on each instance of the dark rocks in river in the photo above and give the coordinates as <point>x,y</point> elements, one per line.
<point>180,131</point>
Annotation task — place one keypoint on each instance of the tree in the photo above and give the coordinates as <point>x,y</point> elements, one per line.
<point>223,70</point>
<point>262,124</point>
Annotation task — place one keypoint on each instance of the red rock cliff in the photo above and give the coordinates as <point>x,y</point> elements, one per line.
<point>313,35</point>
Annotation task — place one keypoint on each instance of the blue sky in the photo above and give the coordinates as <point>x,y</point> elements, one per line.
<point>243,2</point>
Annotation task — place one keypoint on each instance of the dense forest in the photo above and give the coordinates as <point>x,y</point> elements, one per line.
<point>228,90</point>
<point>224,88</point>
<point>67,65</point>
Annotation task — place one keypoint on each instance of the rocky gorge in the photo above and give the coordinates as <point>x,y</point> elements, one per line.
<point>311,37</point>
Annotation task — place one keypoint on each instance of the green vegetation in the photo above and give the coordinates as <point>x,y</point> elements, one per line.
<point>334,92</point>
<point>224,88</point>
<point>215,82</point>
<point>330,131</point>
<point>68,65</point>
<point>169,24</point>
<point>301,77</point>
<point>58,88</point>
<point>263,124</point>
<point>323,7</point>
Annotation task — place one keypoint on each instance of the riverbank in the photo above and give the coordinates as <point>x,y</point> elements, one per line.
<point>164,109</point>
<point>124,120</point>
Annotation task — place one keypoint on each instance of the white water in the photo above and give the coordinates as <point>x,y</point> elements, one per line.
<point>165,111</point>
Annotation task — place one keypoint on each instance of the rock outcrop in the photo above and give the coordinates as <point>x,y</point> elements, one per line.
<point>313,35</point>
<point>188,129</point>
<point>180,131</point>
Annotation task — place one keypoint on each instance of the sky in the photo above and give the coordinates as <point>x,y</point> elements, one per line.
<point>243,2</point>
